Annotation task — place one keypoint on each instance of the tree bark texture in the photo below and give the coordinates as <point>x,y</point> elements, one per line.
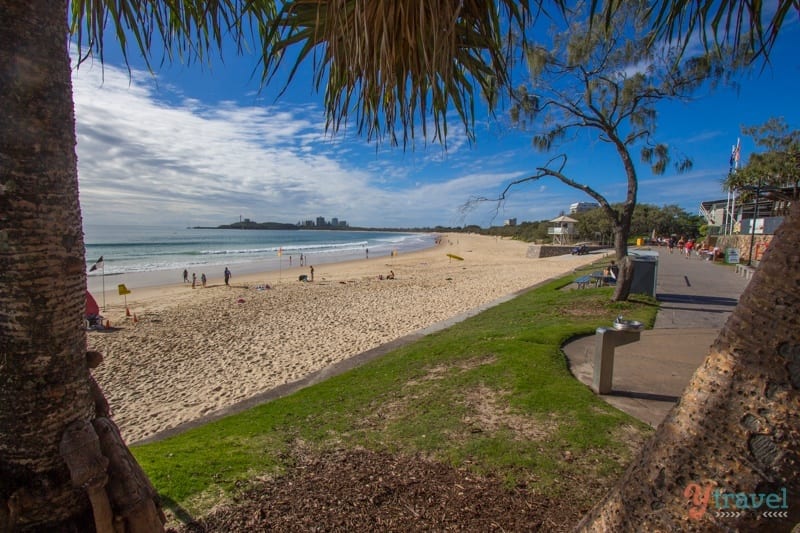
<point>622,289</point>
<point>733,439</point>
<point>45,385</point>
<point>43,374</point>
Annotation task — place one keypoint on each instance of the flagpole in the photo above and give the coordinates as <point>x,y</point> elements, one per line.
<point>102,265</point>
<point>103,276</point>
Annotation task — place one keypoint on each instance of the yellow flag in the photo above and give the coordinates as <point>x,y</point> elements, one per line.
<point>123,289</point>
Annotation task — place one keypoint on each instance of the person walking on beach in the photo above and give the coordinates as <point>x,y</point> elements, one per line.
<point>367,250</point>
<point>312,272</point>
<point>185,276</point>
<point>227,276</point>
<point>194,279</point>
<point>203,279</point>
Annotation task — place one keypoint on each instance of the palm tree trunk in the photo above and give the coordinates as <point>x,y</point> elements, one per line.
<point>45,385</point>
<point>733,439</point>
<point>43,374</point>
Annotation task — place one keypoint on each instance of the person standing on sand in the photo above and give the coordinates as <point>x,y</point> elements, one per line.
<point>203,279</point>
<point>227,276</point>
<point>185,276</point>
<point>312,272</point>
<point>194,279</point>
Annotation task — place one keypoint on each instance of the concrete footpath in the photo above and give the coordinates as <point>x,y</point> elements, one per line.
<point>696,298</point>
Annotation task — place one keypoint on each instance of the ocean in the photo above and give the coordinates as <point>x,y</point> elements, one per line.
<point>134,249</point>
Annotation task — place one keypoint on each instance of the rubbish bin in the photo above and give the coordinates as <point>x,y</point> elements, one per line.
<point>639,241</point>
<point>645,273</point>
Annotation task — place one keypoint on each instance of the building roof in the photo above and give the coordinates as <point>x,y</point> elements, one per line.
<point>563,218</point>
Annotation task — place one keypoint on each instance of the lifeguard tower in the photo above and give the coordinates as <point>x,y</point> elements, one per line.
<point>562,230</point>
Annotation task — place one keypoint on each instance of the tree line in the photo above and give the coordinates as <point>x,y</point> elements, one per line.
<point>595,226</point>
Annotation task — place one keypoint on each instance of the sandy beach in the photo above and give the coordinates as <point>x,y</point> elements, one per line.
<point>185,353</point>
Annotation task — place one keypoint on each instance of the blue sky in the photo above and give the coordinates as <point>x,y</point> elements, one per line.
<point>198,145</point>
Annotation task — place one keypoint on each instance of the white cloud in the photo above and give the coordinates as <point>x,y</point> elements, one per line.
<point>149,154</point>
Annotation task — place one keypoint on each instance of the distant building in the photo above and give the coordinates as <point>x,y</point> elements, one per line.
<point>580,207</point>
<point>320,222</point>
<point>510,222</point>
<point>758,216</point>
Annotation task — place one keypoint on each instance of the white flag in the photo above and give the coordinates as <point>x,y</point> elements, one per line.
<point>98,264</point>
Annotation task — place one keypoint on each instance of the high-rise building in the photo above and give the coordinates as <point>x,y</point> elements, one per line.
<point>580,207</point>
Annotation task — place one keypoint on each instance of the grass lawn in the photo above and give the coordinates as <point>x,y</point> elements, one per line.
<point>492,395</point>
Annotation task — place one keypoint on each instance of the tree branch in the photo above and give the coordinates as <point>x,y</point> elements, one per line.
<point>542,172</point>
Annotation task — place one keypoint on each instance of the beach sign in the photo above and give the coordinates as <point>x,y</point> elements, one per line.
<point>124,292</point>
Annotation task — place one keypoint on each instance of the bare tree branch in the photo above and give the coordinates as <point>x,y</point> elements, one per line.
<point>543,172</point>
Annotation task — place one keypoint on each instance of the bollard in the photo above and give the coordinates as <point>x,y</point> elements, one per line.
<point>607,340</point>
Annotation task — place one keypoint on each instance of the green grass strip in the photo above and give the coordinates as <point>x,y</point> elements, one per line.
<point>492,393</point>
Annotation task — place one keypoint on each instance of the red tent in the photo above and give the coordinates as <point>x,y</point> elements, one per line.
<point>91,305</point>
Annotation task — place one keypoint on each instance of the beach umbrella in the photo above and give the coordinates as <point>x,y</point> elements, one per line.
<point>91,305</point>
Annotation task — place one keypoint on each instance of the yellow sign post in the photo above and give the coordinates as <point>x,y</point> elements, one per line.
<point>124,292</point>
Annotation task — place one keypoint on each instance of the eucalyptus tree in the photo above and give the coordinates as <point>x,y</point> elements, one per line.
<point>605,83</point>
<point>664,221</point>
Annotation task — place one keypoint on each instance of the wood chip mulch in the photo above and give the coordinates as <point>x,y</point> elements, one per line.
<point>360,490</point>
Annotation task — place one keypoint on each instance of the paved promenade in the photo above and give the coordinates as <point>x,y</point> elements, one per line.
<point>650,375</point>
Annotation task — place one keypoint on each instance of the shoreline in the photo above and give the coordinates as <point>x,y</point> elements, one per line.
<point>194,354</point>
<point>263,271</point>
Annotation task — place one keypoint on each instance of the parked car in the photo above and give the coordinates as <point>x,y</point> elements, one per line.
<point>580,249</point>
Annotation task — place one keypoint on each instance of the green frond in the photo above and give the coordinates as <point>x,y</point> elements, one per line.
<point>188,30</point>
<point>752,26</point>
<point>394,63</point>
